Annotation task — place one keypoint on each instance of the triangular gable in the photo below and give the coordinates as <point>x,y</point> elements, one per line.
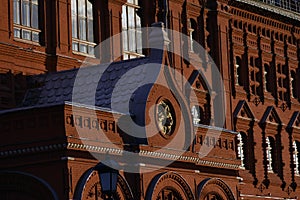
<point>196,81</point>
<point>270,116</point>
<point>295,120</point>
<point>242,110</point>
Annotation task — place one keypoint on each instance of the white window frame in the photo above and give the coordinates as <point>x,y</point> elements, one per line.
<point>296,158</point>
<point>131,31</point>
<point>26,20</point>
<point>240,150</point>
<point>83,27</point>
<point>196,114</point>
<point>269,155</point>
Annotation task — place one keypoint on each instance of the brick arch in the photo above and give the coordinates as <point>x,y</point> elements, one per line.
<point>89,186</point>
<point>216,187</point>
<point>172,181</point>
<point>20,185</point>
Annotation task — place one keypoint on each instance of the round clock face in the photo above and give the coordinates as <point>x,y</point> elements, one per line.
<point>165,118</point>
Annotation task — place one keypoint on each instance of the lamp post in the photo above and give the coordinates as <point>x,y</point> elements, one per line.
<point>108,179</point>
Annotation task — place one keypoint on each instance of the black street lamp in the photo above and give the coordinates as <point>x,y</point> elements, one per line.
<point>108,178</point>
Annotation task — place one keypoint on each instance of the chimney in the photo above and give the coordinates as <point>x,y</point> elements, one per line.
<point>158,41</point>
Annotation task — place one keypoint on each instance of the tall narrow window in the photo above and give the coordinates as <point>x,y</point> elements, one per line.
<point>131,30</point>
<point>196,113</point>
<point>270,153</point>
<point>26,20</point>
<point>243,149</point>
<point>282,82</point>
<point>193,33</point>
<point>255,76</point>
<point>240,149</point>
<point>238,70</point>
<point>293,84</point>
<point>267,75</point>
<point>296,157</point>
<point>82,26</point>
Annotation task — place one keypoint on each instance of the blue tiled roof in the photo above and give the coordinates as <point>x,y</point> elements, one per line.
<point>95,85</point>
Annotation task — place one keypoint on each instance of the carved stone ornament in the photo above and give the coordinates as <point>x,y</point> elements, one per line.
<point>165,118</point>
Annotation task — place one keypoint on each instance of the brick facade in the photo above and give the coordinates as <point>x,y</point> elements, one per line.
<point>53,144</point>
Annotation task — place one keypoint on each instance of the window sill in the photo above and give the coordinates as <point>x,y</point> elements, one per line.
<point>83,54</point>
<point>27,41</point>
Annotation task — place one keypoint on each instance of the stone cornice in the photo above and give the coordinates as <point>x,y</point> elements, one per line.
<point>153,154</point>
<point>274,9</point>
<point>33,150</point>
<point>114,151</point>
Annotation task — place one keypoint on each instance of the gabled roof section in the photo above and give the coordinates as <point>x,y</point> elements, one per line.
<point>95,87</point>
<point>242,110</point>
<point>295,120</point>
<point>271,116</point>
<point>196,81</point>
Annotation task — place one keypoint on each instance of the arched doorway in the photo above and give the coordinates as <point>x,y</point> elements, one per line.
<point>89,188</point>
<point>169,186</point>
<point>214,189</point>
<point>20,185</point>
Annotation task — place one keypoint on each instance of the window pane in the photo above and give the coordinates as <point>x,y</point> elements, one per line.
<point>89,10</point>
<point>90,31</point>
<point>34,2</point>
<point>74,7</point>
<point>131,20</point>
<point>124,17</point>
<point>81,8</point>
<point>35,36</point>
<point>82,29</point>
<point>26,34</point>
<point>130,1</point>
<point>125,40</point>
<point>16,12</point>
<point>83,48</point>
<point>138,21</point>
<point>34,17</point>
<point>91,50</point>
<point>139,41</point>
<point>75,46</point>
<point>132,40</point>
<point>25,13</point>
<point>17,33</point>
<point>74,27</point>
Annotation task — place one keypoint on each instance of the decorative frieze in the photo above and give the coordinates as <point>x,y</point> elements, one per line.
<point>215,142</point>
<point>153,154</point>
<point>91,123</point>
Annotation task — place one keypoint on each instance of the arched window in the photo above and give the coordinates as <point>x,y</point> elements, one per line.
<point>296,157</point>
<point>131,30</point>
<point>82,26</point>
<point>270,153</point>
<point>26,20</point>
<point>196,113</point>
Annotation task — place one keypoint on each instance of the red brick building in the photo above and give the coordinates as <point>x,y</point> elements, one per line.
<point>52,140</point>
